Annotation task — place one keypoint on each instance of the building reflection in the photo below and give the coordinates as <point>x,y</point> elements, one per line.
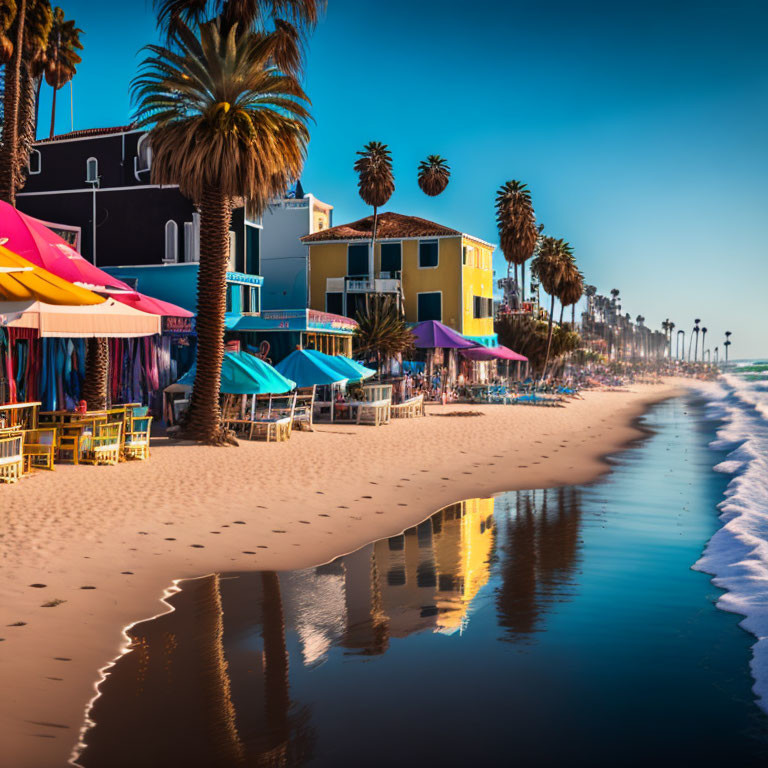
<point>208,683</point>
<point>539,553</point>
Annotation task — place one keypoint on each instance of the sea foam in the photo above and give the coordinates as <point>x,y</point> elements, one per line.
<point>737,555</point>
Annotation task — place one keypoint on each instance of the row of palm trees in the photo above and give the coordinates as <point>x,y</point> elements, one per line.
<point>669,327</point>
<point>553,265</point>
<point>37,42</point>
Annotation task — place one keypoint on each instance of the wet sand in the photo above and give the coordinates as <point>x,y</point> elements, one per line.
<point>88,550</point>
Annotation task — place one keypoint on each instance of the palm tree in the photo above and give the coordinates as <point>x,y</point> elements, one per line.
<point>434,173</point>
<point>96,379</point>
<point>61,57</point>
<point>14,23</point>
<point>225,123</point>
<point>376,183</point>
<point>382,329</point>
<point>694,332</point>
<point>717,355</point>
<point>703,342</point>
<point>671,327</point>
<point>726,344</point>
<point>571,290</point>
<point>516,221</point>
<point>551,265</point>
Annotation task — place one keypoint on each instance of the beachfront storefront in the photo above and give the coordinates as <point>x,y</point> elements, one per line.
<point>277,332</point>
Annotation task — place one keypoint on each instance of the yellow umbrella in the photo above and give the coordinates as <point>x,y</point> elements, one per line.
<point>21,280</point>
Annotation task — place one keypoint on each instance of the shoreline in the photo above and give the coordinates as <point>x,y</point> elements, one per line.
<point>102,539</point>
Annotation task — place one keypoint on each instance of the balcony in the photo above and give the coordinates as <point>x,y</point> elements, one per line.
<point>384,284</point>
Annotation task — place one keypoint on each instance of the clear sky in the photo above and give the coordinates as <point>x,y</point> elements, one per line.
<point>640,129</point>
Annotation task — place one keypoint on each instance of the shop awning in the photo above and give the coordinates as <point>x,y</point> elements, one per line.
<point>493,353</point>
<point>110,319</point>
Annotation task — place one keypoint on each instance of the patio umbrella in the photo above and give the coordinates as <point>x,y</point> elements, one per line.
<point>31,239</point>
<point>241,374</point>
<point>432,334</point>
<point>22,281</point>
<point>493,353</point>
<point>350,369</point>
<point>109,319</point>
<point>309,371</point>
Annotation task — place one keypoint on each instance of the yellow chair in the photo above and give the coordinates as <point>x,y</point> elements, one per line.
<point>11,458</point>
<point>136,444</point>
<point>39,447</point>
<point>105,444</point>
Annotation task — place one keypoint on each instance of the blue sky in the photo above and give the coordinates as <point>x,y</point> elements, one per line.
<point>640,129</point>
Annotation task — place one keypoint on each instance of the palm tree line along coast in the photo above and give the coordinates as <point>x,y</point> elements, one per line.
<point>227,117</point>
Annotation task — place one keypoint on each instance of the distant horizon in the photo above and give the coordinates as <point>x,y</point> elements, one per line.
<point>640,134</point>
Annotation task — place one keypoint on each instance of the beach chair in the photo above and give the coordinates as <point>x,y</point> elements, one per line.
<point>105,443</point>
<point>11,458</point>
<point>40,447</point>
<point>136,443</point>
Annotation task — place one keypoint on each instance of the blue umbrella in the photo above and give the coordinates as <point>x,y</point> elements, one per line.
<point>308,371</point>
<point>244,374</point>
<point>347,367</point>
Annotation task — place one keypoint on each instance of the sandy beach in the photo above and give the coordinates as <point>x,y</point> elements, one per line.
<point>87,551</point>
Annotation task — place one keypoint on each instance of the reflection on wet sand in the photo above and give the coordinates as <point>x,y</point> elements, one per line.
<point>208,684</point>
<point>539,548</point>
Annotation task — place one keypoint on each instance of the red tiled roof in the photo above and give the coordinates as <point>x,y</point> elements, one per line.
<point>390,225</point>
<point>87,132</point>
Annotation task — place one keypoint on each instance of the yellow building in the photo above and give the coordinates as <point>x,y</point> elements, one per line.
<point>442,274</point>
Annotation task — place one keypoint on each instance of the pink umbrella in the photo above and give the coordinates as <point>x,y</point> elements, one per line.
<point>30,238</point>
<point>493,353</point>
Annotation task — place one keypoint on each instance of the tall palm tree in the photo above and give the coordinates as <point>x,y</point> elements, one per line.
<point>571,290</point>
<point>516,221</point>
<point>551,266</point>
<point>376,183</point>
<point>9,154</point>
<point>694,332</point>
<point>434,173</point>
<point>726,344</point>
<point>225,123</point>
<point>61,57</point>
<point>703,342</point>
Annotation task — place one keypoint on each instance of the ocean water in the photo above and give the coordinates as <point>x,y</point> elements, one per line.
<point>737,555</point>
<point>565,627</point>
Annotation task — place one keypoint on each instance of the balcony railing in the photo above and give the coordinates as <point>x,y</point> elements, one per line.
<point>362,285</point>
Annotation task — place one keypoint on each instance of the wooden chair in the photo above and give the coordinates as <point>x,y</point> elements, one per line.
<point>11,458</point>
<point>136,443</point>
<point>39,447</point>
<point>105,443</point>
<point>375,413</point>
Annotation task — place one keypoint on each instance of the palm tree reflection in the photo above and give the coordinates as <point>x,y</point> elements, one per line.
<point>540,552</point>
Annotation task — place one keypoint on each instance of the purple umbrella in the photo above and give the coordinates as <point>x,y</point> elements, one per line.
<point>432,334</point>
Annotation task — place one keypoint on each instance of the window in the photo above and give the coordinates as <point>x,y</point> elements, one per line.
<point>334,303</point>
<point>428,253</point>
<point>171,242</point>
<point>430,306</point>
<point>143,154</point>
<point>192,239</point>
<point>35,162</point>
<point>482,307</point>
<point>391,257</point>
<point>251,250</point>
<point>92,170</point>
<point>357,260</point>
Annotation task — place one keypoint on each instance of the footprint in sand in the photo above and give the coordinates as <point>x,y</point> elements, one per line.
<point>17,624</point>
<point>379,512</point>
<point>197,546</point>
<point>367,497</point>
<point>341,506</point>
<point>38,586</point>
<point>322,514</point>
<point>53,603</point>
<point>167,523</point>
<point>170,539</point>
<point>127,573</point>
<point>61,658</point>
<point>239,522</point>
<point>402,505</point>
<point>248,552</point>
<point>215,533</point>
<point>225,526</point>
<point>59,679</point>
<point>87,586</point>
<point>262,546</point>
<point>522,466</point>
<point>275,530</point>
<point>143,533</point>
<point>306,522</point>
<point>322,493</point>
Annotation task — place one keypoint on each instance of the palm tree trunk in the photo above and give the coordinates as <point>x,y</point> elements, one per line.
<point>203,421</point>
<point>562,310</point>
<point>9,147</point>
<point>26,122</point>
<point>38,88</point>
<point>372,267</point>
<point>53,113</point>
<point>549,339</point>
<point>276,691</point>
<point>96,374</point>
<point>573,317</point>
<point>522,282</point>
